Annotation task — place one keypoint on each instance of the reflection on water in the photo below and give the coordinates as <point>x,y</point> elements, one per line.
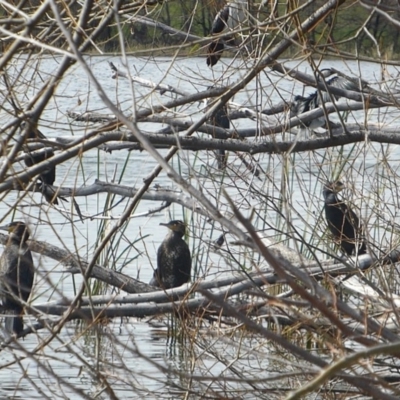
<point>138,357</point>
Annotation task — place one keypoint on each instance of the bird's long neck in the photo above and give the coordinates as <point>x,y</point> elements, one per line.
<point>175,235</point>
<point>17,240</point>
<point>330,197</point>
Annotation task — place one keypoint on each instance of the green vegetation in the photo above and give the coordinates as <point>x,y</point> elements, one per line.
<point>351,28</point>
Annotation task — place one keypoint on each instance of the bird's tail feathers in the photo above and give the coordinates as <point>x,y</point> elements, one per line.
<point>214,52</point>
<point>14,323</point>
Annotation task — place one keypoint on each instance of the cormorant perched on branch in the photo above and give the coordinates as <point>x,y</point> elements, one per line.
<point>216,47</point>
<point>221,120</point>
<point>342,221</point>
<point>47,177</point>
<point>16,275</point>
<point>302,104</point>
<point>174,261</point>
<point>227,19</point>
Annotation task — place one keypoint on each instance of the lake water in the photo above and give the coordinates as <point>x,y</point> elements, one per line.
<point>134,355</point>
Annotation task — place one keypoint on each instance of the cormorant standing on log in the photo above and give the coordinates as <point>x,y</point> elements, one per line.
<point>47,177</point>
<point>343,223</point>
<point>16,275</point>
<point>174,261</point>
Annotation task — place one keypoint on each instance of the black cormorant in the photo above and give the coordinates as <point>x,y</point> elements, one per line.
<point>227,19</point>
<point>216,47</point>
<point>16,275</point>
<point>342,221</point>
<point>174,261</point>
<point>47,177</point>
<point>301,104</point>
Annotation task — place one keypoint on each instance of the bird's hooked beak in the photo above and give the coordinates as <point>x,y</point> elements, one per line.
<point>334,186</point>
<point>338,186</point>
<point>173,225</point>
<point>5,228</point>
<point>168,225</point>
